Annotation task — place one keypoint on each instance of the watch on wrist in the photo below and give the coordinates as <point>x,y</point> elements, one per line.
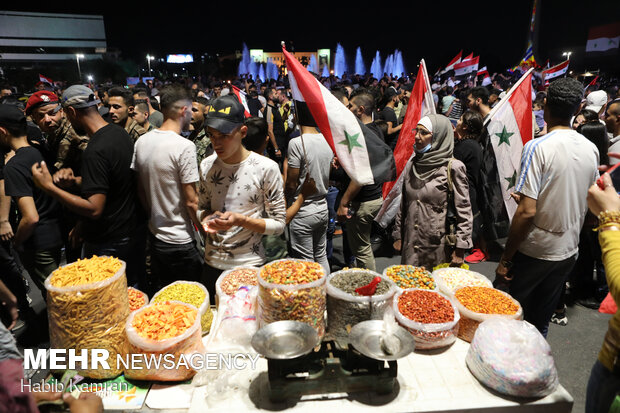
<point>506,264</point>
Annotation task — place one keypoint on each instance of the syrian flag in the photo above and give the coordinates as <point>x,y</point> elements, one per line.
<point>604,38</point>
<point>241,96</point>
<point>555,71</point>
<point>45,79</point>
<point>362,154</point>
<point>466,67</point>
<point>469,57</point>
<point>457,59</point>
<point>510,127</point>
<point>592,83</point>
<point>420,104</point>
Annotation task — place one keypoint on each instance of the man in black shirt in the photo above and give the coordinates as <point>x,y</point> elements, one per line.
<point>254,104</point>
<point>107,204</point>
<point>389,116</point>
<point>38,238</point>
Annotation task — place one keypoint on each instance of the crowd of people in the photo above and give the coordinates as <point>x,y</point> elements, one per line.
<point>182,178</point>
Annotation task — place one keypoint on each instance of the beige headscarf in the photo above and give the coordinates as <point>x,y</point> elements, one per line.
<point>442,147</point>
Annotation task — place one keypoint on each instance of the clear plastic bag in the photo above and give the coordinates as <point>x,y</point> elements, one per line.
<point>220,293</point>
<point>470,320</point>
<point>206,315</point>
<point>90,316</point>
<point>344,309</point>
<point>236,322</point>
<point>298,302</point>
<point>448,280</point>
<point>512,357</point>
<point>432,335</point>
<point>186,344</point>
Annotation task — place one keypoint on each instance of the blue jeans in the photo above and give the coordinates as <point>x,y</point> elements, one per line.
<point>332,194</point>
<point>603,387</point>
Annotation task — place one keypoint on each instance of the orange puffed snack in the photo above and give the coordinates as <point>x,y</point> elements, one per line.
<point>165,320</point>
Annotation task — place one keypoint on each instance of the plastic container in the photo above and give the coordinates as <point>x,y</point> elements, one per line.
<point>206,314</point>
<point>219,293</point>
<point>431,335</point>
<point>299,302</point>
<point>90,316</point>
<point>344,309</point>
<point>434,287</point>
<point>470,320</point>
<point>469,279</point>
<point>169,350</point>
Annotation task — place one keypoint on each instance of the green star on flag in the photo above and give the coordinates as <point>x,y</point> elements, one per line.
<point>504,136</point>
<point>512,180</point>
<point>351,141</point>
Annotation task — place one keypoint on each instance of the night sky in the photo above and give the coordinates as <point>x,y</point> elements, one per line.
<point>435,30</point>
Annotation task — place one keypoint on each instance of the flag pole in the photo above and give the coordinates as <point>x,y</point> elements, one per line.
<point>505,99</point>
<point>429,93</point>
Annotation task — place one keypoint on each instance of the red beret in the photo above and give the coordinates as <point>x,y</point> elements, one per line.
<point>41,98</point>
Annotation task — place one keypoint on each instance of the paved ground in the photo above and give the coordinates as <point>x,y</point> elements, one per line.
<point>575,346</point>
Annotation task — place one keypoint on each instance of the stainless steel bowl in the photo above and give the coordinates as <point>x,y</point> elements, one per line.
<point>285,340</point>
<point>366,338</point>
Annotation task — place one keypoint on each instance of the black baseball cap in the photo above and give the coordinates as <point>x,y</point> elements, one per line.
<point>11,115</point>
<point>225,114</point>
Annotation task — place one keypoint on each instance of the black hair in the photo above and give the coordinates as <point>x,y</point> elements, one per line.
<point>596,133</point>
<point>173,94</point>
<point>383,127</point>
<point>257,133</point>
<point>141,106</point>
<point>340,95</point>
<point>589,115</point>
<point>155,103</point>
<point>267,91</point>
<point>564,97</point>
<point>13,101</point>
<point>125,94</point>
<point>480,92</point>
<point>202,100</point>
<point>142,93</point>
<point>366,100</point>
<point>472,121</point>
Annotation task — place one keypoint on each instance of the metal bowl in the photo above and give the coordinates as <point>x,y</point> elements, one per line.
<point>285,340</point>
<point>366,338</point>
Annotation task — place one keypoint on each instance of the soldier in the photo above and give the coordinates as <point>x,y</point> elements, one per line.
<point>64,144</point>
<point>199,135</point>
<point>121,111</point>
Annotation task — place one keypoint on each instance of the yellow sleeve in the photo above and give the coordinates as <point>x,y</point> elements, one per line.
<point>610,245</point>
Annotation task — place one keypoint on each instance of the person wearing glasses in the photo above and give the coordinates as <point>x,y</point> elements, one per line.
<point>423,232</point>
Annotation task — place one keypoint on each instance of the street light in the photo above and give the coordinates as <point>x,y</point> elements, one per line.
<point>79,56</point>
<point>148,61</point>
<point>567,54</point>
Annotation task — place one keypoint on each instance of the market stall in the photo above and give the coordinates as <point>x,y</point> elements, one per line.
<point>305,342</point>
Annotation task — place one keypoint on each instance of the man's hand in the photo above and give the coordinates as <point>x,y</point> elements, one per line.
<point>278,153</point>
<point>10,304</point>
<point>516,197</point>
<point>342,213</point>
<point>75,235</point>
<point>86,403</point>
<point>41,176</point>
<point>46,396</point>
<point>227,220</point>
<point>603,200</point>
<point>309,187</point>
<point>65,178</point>
<point>502,277</point>
<point>6,231</point>
<point>457,258</point>
<point>208,222</point>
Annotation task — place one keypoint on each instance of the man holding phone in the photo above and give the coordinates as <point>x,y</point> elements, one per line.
<point>556,172</point>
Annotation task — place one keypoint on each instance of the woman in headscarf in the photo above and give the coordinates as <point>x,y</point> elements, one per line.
<point>422,224</point>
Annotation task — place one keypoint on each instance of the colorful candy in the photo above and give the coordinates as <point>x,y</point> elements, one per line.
<point>425,307</point>
<point>409,276</point>
<point>291,272</point>
<point>486,300</point>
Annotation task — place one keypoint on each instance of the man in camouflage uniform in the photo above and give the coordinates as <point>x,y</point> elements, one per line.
<point>199,135</point>
<point>121,111</point>
<point>64,145</point>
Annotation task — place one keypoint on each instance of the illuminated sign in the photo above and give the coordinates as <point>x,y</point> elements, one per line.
<point>180,58</point>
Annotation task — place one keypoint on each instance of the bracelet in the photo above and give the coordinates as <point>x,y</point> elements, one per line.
<point>606,218</point>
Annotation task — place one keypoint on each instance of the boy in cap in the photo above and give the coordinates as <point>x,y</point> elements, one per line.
<point>241,195</point>
<point>107,184</point>
<point>38,237</point>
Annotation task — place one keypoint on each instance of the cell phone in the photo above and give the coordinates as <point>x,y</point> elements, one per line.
<point>614,173</point>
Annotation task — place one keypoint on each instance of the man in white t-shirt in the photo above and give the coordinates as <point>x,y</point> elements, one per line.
<point>309,155</point>
<point>241,194</point>
<point>556,173</point>
<point>167,171</point>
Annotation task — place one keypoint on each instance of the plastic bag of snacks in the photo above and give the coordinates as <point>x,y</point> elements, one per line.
<point>87,305</point>
<point>409,276</point>
<point>431,317</point>
<point>477,304</point>
<point>229,282</point>
<point>164,330</point>
<point>192,293</point>
<point>236,322</point>
<point>137,299</point>
<point>292,290</point>
<point>451,279</point>
<point>345,307</point>
<point>512,357</point>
